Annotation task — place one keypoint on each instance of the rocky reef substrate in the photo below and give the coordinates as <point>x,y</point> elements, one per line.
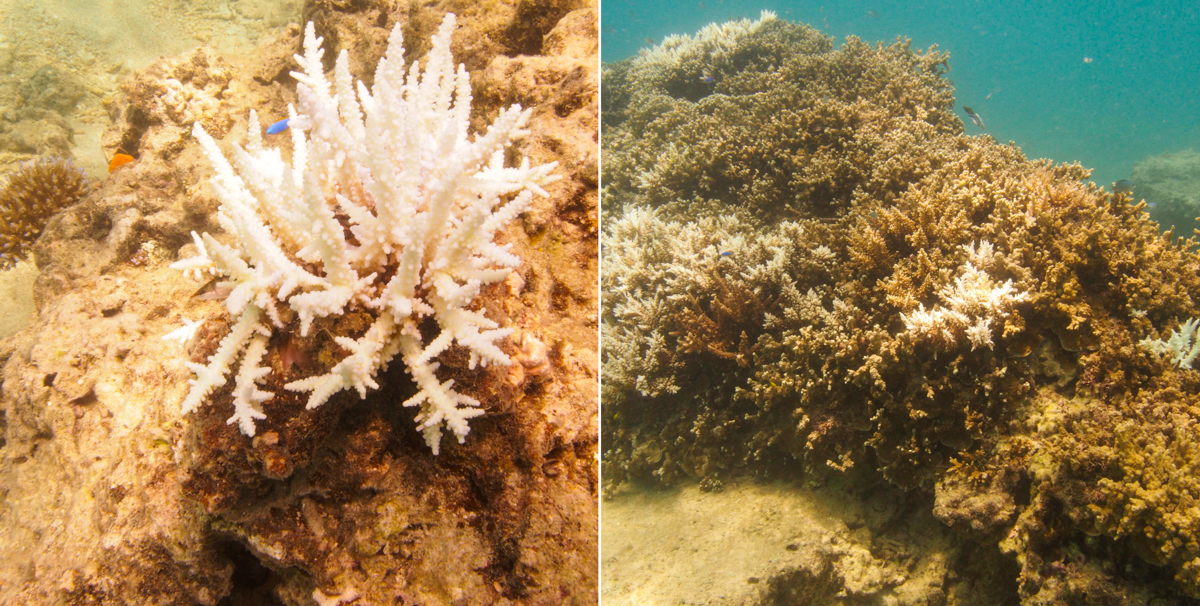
<point>108,495</point>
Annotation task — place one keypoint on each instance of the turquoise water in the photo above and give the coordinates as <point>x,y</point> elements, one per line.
<point>1102,83</point>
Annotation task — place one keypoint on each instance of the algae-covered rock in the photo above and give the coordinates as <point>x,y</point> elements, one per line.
<point>1172,182</point>
<point>809,267</point>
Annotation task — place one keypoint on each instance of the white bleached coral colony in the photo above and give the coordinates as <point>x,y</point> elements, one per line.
<point>1182,346</point>
<point>389,206</point>
<point>714,40</point>
<point>972,303</point>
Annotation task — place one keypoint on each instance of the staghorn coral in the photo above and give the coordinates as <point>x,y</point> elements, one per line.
<point>395,203</point>
<point>112,497</point>
<point>1154,498</point>
<point>1182,346</point>
<point>33,193</point>
<point>962,320</point>
<point>972,303</point>
<point>769,134</point>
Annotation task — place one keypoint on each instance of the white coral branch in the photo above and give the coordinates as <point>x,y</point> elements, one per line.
<point>397,167</point>
<point>247,398</point>
<point>971,303</point>
<point>1182,346</point>
<point>212,375</point>
<point>184,334</point>
<point>356,371</point>
<point>440,404</point>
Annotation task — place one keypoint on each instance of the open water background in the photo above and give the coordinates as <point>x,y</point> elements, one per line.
<point>1102,83</point>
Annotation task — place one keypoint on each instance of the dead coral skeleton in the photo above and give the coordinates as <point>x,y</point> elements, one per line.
<point>398,169</point>
<point>532,361</point>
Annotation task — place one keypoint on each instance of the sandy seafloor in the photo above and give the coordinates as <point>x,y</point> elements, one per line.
<point>750,543</point>
<point>687,546</point>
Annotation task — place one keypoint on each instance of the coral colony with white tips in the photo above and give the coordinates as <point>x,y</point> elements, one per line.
<point>423,198</point>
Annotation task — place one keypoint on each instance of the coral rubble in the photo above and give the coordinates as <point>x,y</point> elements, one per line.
<point>809,267</point>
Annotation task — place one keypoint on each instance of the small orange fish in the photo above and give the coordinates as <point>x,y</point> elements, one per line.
<point>119,160</point>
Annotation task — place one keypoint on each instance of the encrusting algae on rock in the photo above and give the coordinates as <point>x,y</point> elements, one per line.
<point>808,266</point>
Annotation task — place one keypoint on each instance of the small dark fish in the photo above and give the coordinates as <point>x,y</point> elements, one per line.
<point>727,254</point>
<point>706,79</point>
<point>974,117</point>
<point>1124,186</point>
<point>278,127</point>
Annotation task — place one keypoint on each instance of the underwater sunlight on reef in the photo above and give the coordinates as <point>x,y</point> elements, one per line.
<point>1105,84</point>
<point>533,302</point>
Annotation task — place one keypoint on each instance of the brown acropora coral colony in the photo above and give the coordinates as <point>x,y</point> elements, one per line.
<point>806,260</point>
<point>33,193</point>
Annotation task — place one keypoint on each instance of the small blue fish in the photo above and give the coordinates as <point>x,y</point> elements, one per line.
<point>1152,204</point>
<point>278,127</point>
<point>1124,186</point>
<point>726,254</point>
<point>706,79</point>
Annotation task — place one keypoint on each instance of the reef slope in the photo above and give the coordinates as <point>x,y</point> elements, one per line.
<point>810,269</point>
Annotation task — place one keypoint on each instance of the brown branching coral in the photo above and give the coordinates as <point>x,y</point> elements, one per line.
<point>768,118</point>
<point>726,323</point>
<point>957,317</point>
<point>31,195</point>
<point>777,121</point>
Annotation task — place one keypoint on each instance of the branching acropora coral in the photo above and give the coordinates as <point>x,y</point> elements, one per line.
<point>389,207</point>
<point>807,261</point>
<point>971,304</point>
<point>1182,346</point>
<point>34,193</point>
